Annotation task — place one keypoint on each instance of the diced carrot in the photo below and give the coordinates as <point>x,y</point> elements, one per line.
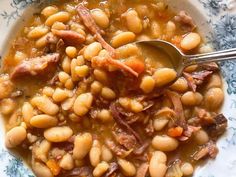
<point>53,166</point>
<point>175,132</point>
<point>136,64</point>
<point>176,40</point>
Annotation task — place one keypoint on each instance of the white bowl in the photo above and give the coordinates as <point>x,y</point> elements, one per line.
<point>216,20</point>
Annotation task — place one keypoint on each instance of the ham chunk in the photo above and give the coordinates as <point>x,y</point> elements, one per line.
<point>185,20</point>
<point>35,66</point>
<point>89,22</point>
<point>207,150</point>
<point>69,37</point>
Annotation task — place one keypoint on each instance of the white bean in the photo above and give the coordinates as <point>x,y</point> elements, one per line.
<point>122,39</point>
<point>101,76</point>
<point>66,65</point>
<point>95,153</point>
<point>82,145</point>
<point>170,29</point>
<point>181,85</point>
<point>92,50</point>
<point>128,169</point>
<point>157,166</point>
<point>100,169</point>
<point>136,106</point>
<point>104,115</point>
<point>213,98</point>
<point>187,169</point>
<point>83,103</point>
<point>106,154</point>
<point>58,134</point>
<point>103,53</point>
<point>82,71</point>
<point>125,102</point>
<point>89,39</point>
<point>214,81</point>
<point>41,170</point>
<point>15,136</point>
<point>127,51</point>
<point>108,93</point>
<point>164,76</point>
<point>164,143</point>
<point>44,104</point>
<point>68,103</point>
<point>191,98</point>
<point>67,162</point>
<point>41,150</point>
<point>201,137</point>
<point>43,121</point>
<point>59,26</point>
<point>60,95</point>
<point>100,18</point>
<point>96,87</point>
<point>133,21</point>
<point>190,41</point>
<point>49,10</point>
<point>38,32</point>
<point>73,65</point>
<point>69,84</point>
<point>48,91</point>
<point>160,123</point>
<point>191,68</point>
<point>77,27</point>
<point>43,41</point>
<point>80,60</point>
<point>147,84</point>
<point>57,17</point>
<point>71,51</point>
<point>63,77</point>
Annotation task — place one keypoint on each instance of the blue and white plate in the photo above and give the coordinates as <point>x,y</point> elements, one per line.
<point>216,20</point>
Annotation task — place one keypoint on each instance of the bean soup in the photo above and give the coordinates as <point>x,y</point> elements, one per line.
<point>79,98</point>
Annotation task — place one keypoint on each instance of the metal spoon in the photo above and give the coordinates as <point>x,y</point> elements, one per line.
<point>181,61</point>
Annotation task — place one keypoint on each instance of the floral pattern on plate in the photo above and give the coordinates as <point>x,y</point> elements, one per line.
<point>222,17</point>
<point>13,167</point>
<point>214,6</point>
<point>17,7</point>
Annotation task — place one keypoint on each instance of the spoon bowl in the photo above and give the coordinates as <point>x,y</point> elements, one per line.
<point>175,55</point>
<point>180,61</point>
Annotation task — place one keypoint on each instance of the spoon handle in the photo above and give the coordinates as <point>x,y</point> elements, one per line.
<point>222,55</point>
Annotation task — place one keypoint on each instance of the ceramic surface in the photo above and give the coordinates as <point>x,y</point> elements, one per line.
<point>216,20</point>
